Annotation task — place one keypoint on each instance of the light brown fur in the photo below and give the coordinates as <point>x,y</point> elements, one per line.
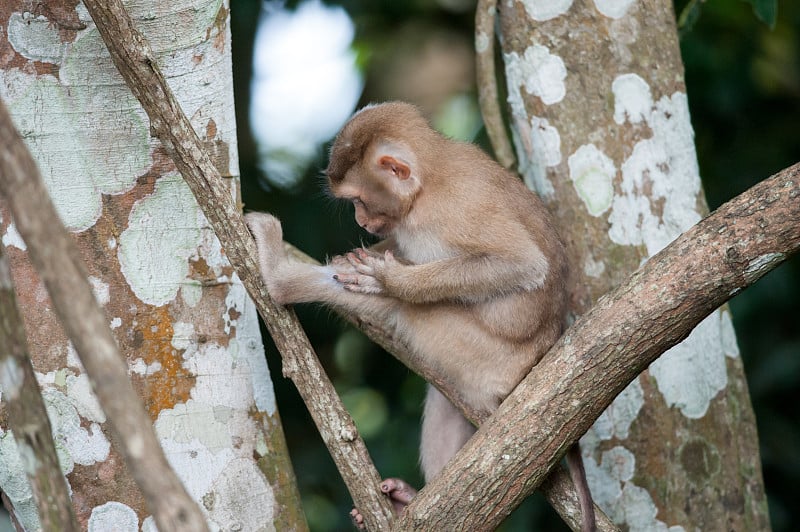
<point>471,274</point>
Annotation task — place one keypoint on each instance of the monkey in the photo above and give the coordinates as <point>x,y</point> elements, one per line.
<point>470,272</point>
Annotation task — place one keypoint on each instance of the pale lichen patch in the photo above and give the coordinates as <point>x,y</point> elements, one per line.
<point>162,234</point>
<point>759,266</point>
<point>140,367</point>
<point>661,170</point>
<point>729,345</point>
<point>693,372</point>
<point>100,289</point>
<point>67,149</point>
<point>76,444</point>
<point>14,483</point>
<point>613,8</point>
<point>541,10</point>
<point>34,37</point>
<point>593,268</point>
<point>612,487</point>
<point>247,346</point>
<point>79,391</point>
<point>540,72</point>
<point>540,149</point>
<point>115,516</point>
<point>632,99</point>
<point>13,238</point>
<point>616,420</point>
<point>592,173</point>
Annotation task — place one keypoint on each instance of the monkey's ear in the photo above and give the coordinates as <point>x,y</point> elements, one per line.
<point>394,166</point>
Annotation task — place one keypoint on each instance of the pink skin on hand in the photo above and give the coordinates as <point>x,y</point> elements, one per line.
<point>398,491</point>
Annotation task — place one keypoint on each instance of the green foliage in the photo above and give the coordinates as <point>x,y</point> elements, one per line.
<point>765,10</point>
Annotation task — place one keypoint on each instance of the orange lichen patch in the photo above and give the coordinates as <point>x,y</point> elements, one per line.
<point>172,383</point>
<point>211,129</point>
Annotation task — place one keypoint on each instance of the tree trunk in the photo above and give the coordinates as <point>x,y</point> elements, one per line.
<point>601,124</point>
<point>179,313</point>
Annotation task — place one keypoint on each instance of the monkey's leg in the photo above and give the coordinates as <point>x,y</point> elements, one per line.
<point>444,432</point>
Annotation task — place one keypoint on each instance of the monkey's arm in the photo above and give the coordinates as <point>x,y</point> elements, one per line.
<point>463,277</point>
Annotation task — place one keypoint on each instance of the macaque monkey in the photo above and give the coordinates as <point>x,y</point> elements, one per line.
<point>470,273</point>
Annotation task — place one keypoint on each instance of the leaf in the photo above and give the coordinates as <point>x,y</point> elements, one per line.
<point>688,17</point>
<point>765,10</point>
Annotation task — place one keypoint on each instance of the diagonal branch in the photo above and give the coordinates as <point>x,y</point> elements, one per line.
<point>27,417</point>
<point>657,307</point>
<point>136,62</point>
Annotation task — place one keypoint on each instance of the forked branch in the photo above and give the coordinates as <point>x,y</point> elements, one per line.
<point>657,307</point>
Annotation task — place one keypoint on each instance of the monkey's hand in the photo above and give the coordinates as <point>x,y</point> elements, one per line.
<point>369,271</point>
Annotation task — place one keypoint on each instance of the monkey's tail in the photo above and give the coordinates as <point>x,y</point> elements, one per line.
<point>578,474</point>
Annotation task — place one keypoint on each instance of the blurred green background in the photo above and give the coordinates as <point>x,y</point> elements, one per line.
<point>743,82</point>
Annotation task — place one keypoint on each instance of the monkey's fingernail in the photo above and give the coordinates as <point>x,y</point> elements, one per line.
<point>335,277</point>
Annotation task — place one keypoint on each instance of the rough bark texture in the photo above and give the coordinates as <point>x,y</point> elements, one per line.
<point>56,259</point>
<point>134,59</point>
<point>602,129</point>
<point>178,312</point>
<point>27,418</point>
<point>604,350</point>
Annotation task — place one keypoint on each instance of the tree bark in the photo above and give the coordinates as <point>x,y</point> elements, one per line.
<point>604,350</point>
<point>181,317</point>
<point>27,418</point>
<point>601,123</point>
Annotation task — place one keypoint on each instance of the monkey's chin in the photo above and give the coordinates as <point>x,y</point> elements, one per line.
<point>380,232</point>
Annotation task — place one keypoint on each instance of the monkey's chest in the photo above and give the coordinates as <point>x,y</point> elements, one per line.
<point>420,247</point>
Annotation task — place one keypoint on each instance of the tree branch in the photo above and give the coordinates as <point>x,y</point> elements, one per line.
<point>136,62</point>
<point>27,417</point>
<point>657,307</point>
<point>55,257</point>
<point>485,15</point>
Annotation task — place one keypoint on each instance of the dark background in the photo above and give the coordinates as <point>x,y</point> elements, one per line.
<point>743,83</point>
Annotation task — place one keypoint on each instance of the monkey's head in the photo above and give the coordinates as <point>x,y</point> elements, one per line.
<point>376,163</point>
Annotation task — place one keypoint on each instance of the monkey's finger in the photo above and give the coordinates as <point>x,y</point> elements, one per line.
<point>361,267</point>
<point>357,518</point>
<point>346,278</point>
<point>368,288</point>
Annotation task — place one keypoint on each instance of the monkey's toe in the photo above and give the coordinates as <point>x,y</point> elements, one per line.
<point>399,492</point>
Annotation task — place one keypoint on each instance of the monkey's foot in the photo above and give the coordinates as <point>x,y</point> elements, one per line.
<point>267,232</point>
<point>398,491</point>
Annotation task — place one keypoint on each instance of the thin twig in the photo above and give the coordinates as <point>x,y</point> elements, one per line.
<point>487,82</point>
